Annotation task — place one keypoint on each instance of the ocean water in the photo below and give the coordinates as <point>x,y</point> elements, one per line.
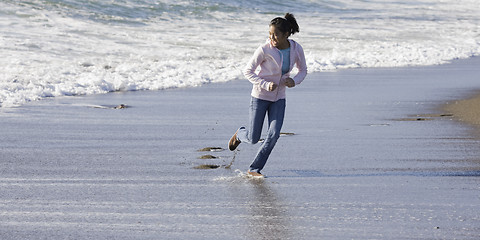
<point>54,48</point>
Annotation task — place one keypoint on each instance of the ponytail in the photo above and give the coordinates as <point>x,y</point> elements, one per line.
<point>287,24</point>
<point>294,28</point>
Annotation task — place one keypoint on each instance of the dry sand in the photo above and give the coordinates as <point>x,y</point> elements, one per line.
<point>467,110</point>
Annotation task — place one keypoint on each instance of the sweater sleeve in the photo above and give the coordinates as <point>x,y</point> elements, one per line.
<point>301,65</point>
<point>249,71</point>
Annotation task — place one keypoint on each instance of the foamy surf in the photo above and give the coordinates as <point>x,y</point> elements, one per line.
<point>68,48</point>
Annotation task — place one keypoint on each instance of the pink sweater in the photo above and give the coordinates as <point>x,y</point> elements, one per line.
<point>270,60</point>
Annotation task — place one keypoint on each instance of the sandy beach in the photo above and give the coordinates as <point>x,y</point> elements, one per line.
<point>466,110</point>
<point>372,154</point>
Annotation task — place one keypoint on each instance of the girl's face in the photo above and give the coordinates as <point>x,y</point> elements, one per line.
<point>278,38</point>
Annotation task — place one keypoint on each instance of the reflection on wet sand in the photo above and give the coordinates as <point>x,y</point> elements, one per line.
<point>269,218</point>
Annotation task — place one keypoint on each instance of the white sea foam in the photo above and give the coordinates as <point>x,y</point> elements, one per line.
<point>239,176</point>
<point>58,48</point>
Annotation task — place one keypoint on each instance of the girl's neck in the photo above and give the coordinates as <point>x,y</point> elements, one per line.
<point>284,45</point>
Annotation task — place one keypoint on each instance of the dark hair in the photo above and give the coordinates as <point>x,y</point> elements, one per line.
<point>287,24</point>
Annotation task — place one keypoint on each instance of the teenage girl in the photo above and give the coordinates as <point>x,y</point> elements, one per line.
<point>276,59</point>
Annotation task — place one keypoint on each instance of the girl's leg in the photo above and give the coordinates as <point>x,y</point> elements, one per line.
<point>258,110</point>
<point>276,114</point>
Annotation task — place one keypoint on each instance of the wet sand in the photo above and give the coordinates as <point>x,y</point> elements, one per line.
<point>359,164</point>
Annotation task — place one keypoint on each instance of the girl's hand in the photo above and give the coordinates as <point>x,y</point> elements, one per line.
<point>272,86</point>
<point>289,82</point>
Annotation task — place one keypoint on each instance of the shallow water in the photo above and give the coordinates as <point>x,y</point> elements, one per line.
<point>351,170</point>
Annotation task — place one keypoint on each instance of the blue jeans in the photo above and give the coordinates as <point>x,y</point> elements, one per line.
<point>258,109</point>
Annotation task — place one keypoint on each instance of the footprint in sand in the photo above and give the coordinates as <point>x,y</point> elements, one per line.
<point>211,149</point>
<point>207,166</point>
<point>208,156</point>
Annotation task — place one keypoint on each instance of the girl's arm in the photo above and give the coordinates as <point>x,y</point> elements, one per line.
<point>249,71</point>
<point>301,65</point>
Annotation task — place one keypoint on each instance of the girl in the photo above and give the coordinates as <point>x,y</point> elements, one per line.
<point>276,59</point>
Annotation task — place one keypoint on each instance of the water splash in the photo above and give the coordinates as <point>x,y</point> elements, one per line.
<point>233,160</point>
